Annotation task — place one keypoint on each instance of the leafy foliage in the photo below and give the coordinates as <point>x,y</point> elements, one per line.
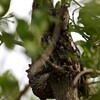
<point>9,88</point>
<point>88,25</point>
<point>8,39</point>
<point>31,35</point>
<point>89,16</point>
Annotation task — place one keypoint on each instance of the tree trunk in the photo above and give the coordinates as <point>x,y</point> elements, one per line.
<point>50,82</point>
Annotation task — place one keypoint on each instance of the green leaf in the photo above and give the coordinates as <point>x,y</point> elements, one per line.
<point>8,39</point>
<point>4,6</point>
<point>39,26</point>
<point>39,21</point>
<point>91,55</point>
<point>8,86</point>
<point>33,49</point>
<point>31,35</point>
<point>23,29</point>
<point>88,26</point>
<point>89,17</point>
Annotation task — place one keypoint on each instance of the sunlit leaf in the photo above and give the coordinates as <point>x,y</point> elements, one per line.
<point>31,35</point>
<point>33,49</point>
<point>39,26</point>
<point>39,21</point>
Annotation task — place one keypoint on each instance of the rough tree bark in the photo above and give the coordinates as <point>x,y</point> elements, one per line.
<point>52,74</point>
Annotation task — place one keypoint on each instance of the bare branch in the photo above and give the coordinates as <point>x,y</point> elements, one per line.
<point>23,92</point>
<point>88,71</point>
<point>73,15</point>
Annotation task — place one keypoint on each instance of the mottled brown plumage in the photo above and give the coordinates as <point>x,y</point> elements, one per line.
<point>49,83</point>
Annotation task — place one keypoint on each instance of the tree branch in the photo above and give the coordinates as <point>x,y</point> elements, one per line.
<point>73,15</point>
<point>56,68</point>
<point>77,3</point>
<point>39,64</point>
<point>23,92</point>
<point>18,43</point>
<point>35,68</point>
<point>93,82</point>
<point>88,71</point>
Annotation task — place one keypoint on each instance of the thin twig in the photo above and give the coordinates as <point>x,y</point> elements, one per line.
<point>23,92</point>
<point>77,3</point>
<point>88,71</point>
<point>90,82</point>
<point>18,43</point>
<point>93,82</point>
<point>73,15</point>
<point>97,43</point>
<point>72,21</point>
<point>9,16</point>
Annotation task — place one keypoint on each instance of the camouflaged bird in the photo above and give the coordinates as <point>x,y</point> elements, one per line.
<point>49,83</point>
